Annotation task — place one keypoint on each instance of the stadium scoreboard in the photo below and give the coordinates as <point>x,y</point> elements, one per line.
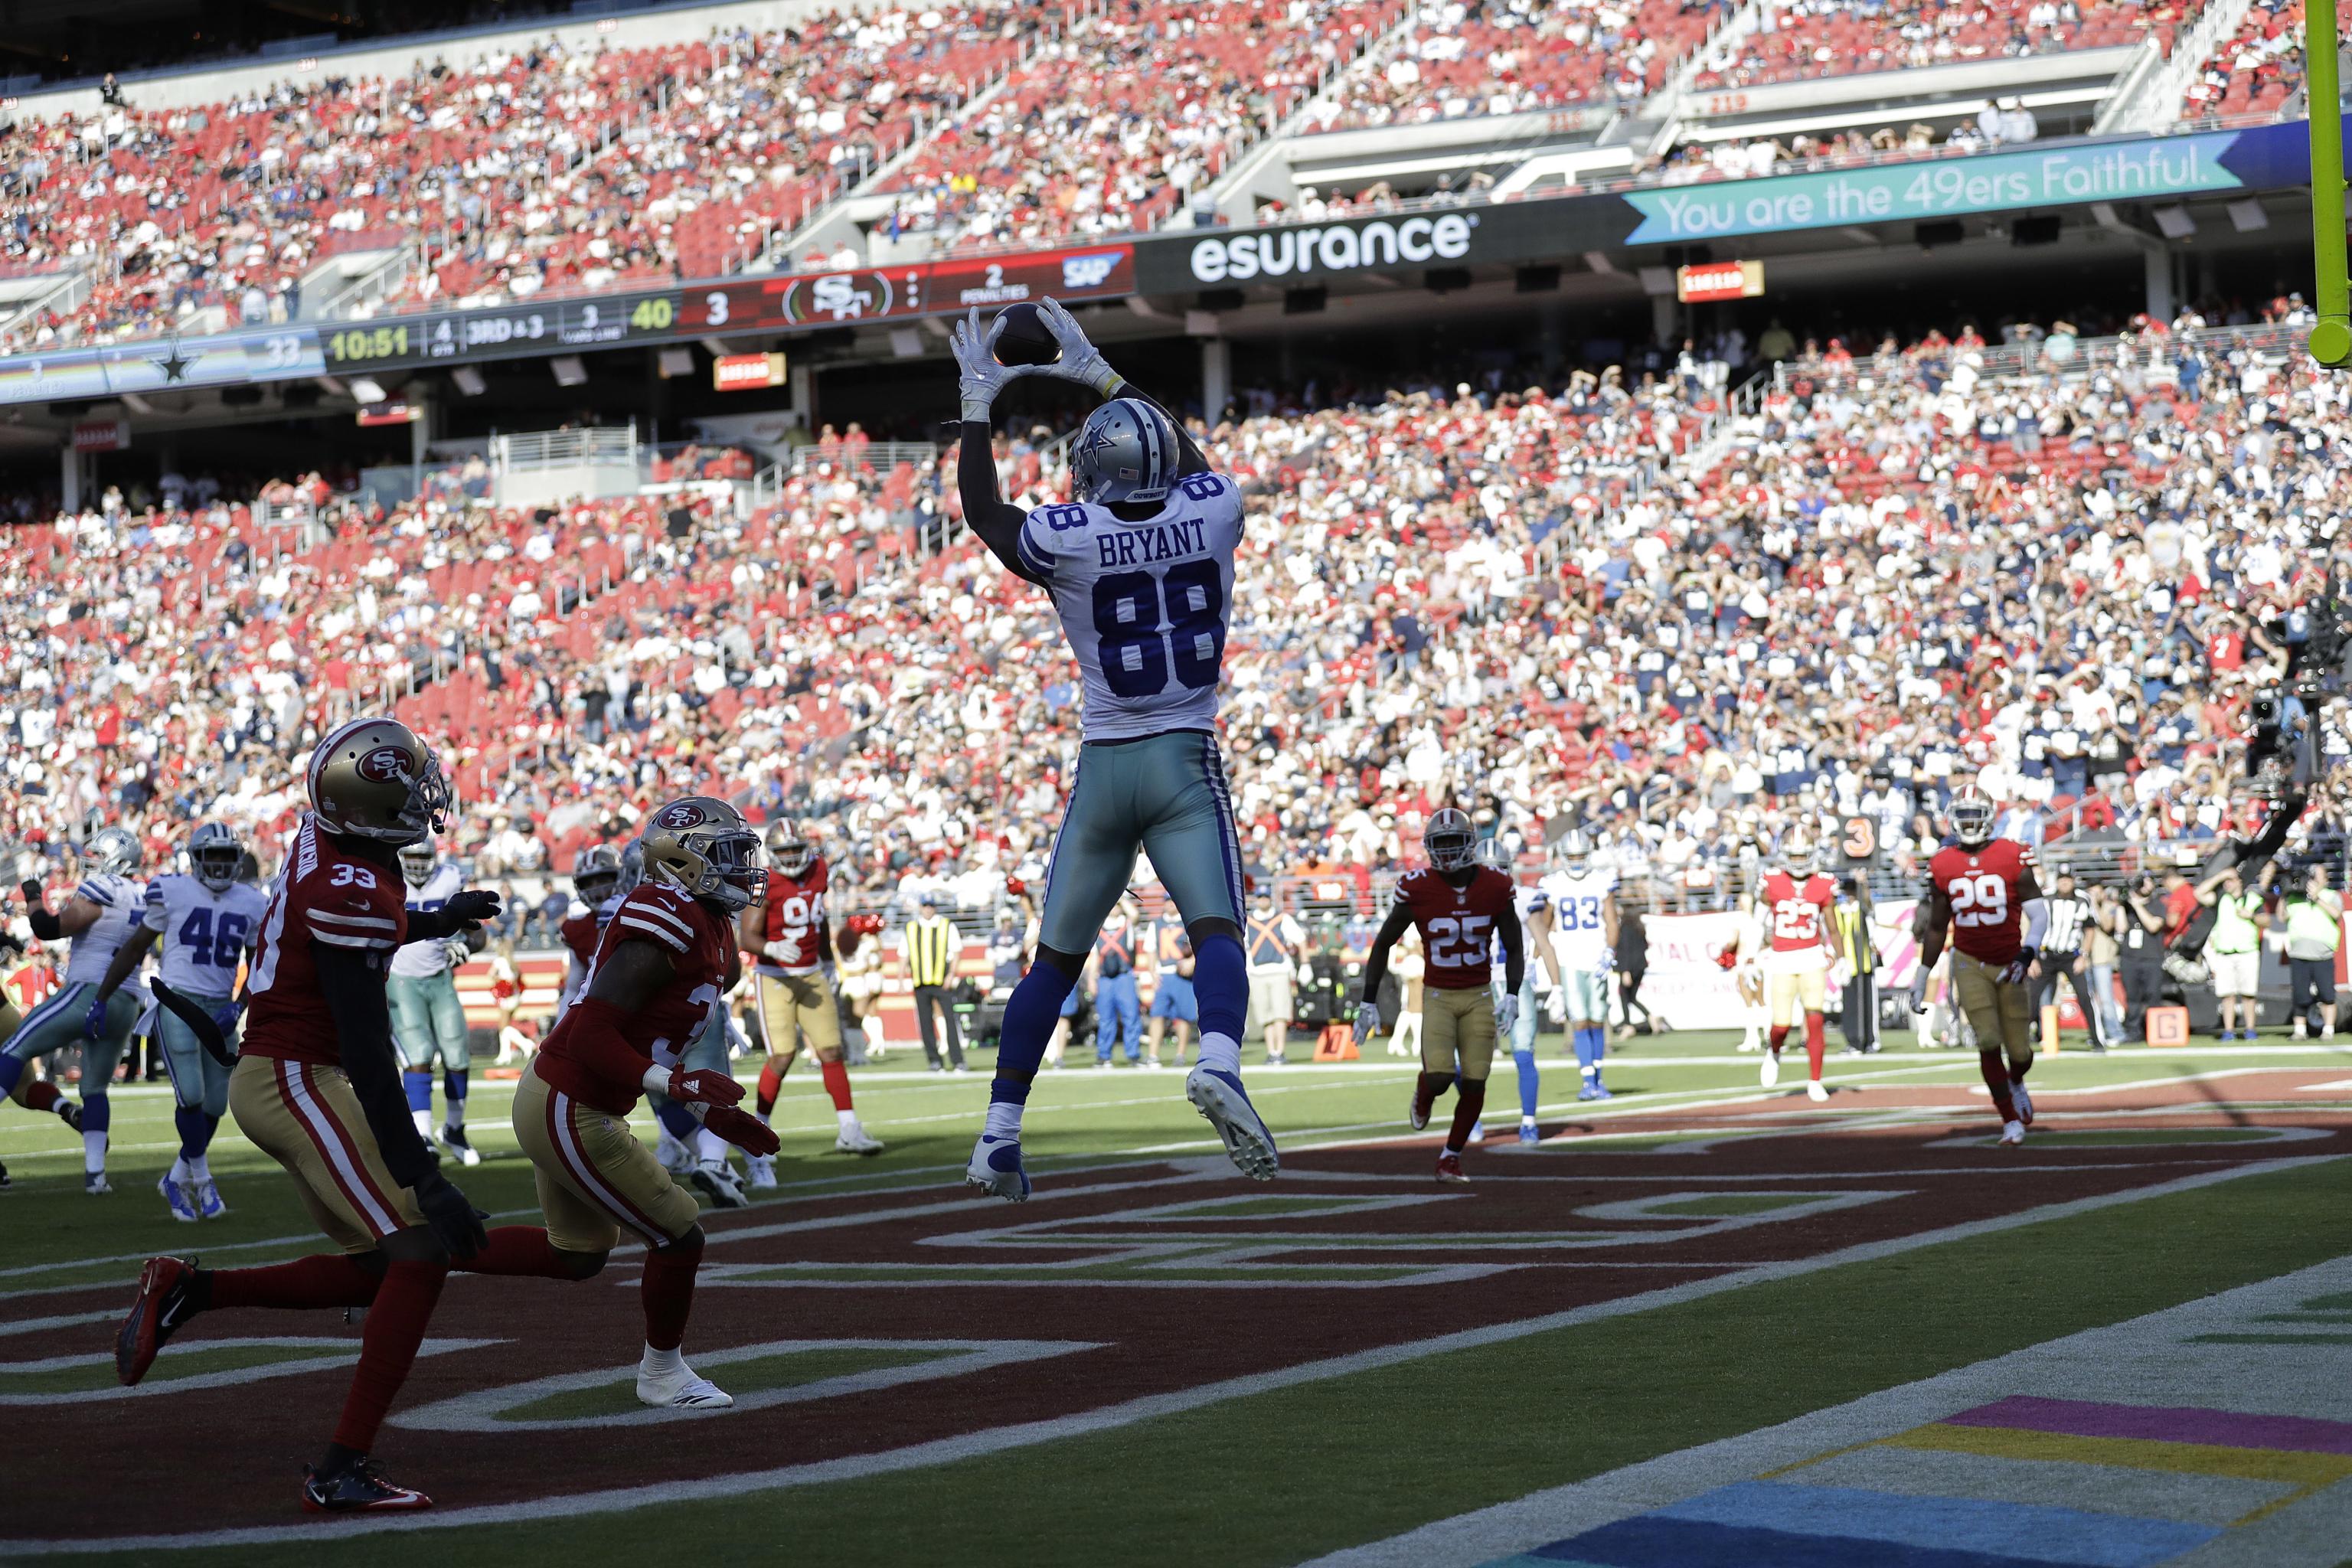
<point>745,306</point>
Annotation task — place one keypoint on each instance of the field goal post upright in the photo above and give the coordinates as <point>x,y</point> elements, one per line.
<point>2331,337</point>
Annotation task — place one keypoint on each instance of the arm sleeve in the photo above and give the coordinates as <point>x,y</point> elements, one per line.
<point>354,993</point>
<point>988,514</point>
<point>592,1033</point>
<point>432,925</point>
<point>36,911</point>
<point>157,916</point>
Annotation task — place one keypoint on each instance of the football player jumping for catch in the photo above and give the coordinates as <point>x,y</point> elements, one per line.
<point>1982,890</point>
<point>1140,569</point>
<point>1800,943</point>
<point>787,927</point>
<point>1462,907</point>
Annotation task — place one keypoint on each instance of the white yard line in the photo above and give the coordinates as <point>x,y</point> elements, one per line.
<point>993,1441</point>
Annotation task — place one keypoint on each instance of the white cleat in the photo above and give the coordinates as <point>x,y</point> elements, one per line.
<point>181,1196</point>
<point>1815,1093</point>
<point>2012,1133</point>
<point>855,1140</point>
<point>762,1176</point>
<point>995,1169</point>
<point>2022,1102</point>
<point>681,1390</point>
<point>718,1184</point>
<point>1769,1073</point>
<point>208,1200</point>
<point>1220,1097</point>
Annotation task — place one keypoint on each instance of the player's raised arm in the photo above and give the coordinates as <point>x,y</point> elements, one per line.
<point>1083,363</point>
<point>978,381</point>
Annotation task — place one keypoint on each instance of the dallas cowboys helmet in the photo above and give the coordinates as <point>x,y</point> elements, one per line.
<point>1125,451</point>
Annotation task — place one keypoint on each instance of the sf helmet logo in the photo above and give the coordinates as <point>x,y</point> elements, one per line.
<point>385,764</point>
<point>681,816</point>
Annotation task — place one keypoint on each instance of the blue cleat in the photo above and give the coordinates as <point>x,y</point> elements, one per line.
<point>179,1196</point>
<point>1600,1090</point>
<point>208,1201</point>
<point>1590,1091</point>
<point>1529,1133</point>
<point>1219,1096</point>
<point>995,1169</point>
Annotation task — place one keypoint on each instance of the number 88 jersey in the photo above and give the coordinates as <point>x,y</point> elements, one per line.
<point>1457,924</point>
<point>1143,603</point>
<point>1987,887</point>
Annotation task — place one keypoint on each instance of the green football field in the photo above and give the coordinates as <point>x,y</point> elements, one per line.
<point>1154,1361</point>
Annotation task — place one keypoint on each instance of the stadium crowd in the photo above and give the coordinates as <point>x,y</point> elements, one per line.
<point>1623,604</point>
<point>535,169</point>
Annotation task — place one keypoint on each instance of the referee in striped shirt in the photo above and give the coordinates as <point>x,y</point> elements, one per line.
<point>2062,953</point>
<point>932,946</point>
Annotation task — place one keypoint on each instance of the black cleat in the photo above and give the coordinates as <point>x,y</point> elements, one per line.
<point>357,1487</point>
<point>70,1112</point>
<point>160,1311</point>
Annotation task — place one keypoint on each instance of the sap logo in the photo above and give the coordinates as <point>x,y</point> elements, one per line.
<point>1378,243</point>
<point>1090,270</point>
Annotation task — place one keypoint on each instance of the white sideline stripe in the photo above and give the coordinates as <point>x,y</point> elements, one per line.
<point>66,1321</point>
<point>332,1352</point>
<point>991,1442</point>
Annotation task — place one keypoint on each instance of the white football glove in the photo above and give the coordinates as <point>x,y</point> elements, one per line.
<point>1920,991</point>
<point>1507,1014</point>
<point>785,950</point>
<point>1081,362</point>
<point>1368,1022</point>
<point>1607,961</point>
<point>457,951</point>
<point>1556,1004</point>
<point>1840,972</point>
<point>982,378</point>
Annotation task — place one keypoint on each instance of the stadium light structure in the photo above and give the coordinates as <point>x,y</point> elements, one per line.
<point>2331,339</point>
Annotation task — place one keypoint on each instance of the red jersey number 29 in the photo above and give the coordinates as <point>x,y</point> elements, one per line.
<point>1456,941</point>
<point>1981,900</point>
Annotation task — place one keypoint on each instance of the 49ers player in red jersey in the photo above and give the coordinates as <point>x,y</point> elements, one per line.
<point>318,1088</point>
<point>662,971</point>
<point>595,878</point>
<point>1462,907</point>
<point>1983,891</point>
<point>1793,908</point>
<point>787,927</point>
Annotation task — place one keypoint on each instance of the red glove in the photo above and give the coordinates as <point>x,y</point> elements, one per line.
<point>749,1133</point>
<point>702,1086</point>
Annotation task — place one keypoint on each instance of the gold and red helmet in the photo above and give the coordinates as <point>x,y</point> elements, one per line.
<point>789,849</point>
<point>374,779</point>
<point>703,846</point>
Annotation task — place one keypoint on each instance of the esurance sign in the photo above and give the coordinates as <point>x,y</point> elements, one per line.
<point>1421,240</point>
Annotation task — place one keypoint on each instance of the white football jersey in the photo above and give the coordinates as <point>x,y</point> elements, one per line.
<point>205,933</point>
<point>422,960</point>
<point>1578,936</point>
<point>1143,603</point>
<point>120,904</point>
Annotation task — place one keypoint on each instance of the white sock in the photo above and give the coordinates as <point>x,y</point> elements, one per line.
<point>847,1119</point>
<point>1004,1120</point>
<point>873,1027</point>
<point>93,1152</point>
<point>199,1169</point>
<point>713,1147</point>
<point>424,1119</point>
<point>1527,1121</point>
<point>455,1116</point>
<point>1591,1072</point>
<point>179,1171</point>
<point>659,1363</point>
<point>1221,1053</point>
